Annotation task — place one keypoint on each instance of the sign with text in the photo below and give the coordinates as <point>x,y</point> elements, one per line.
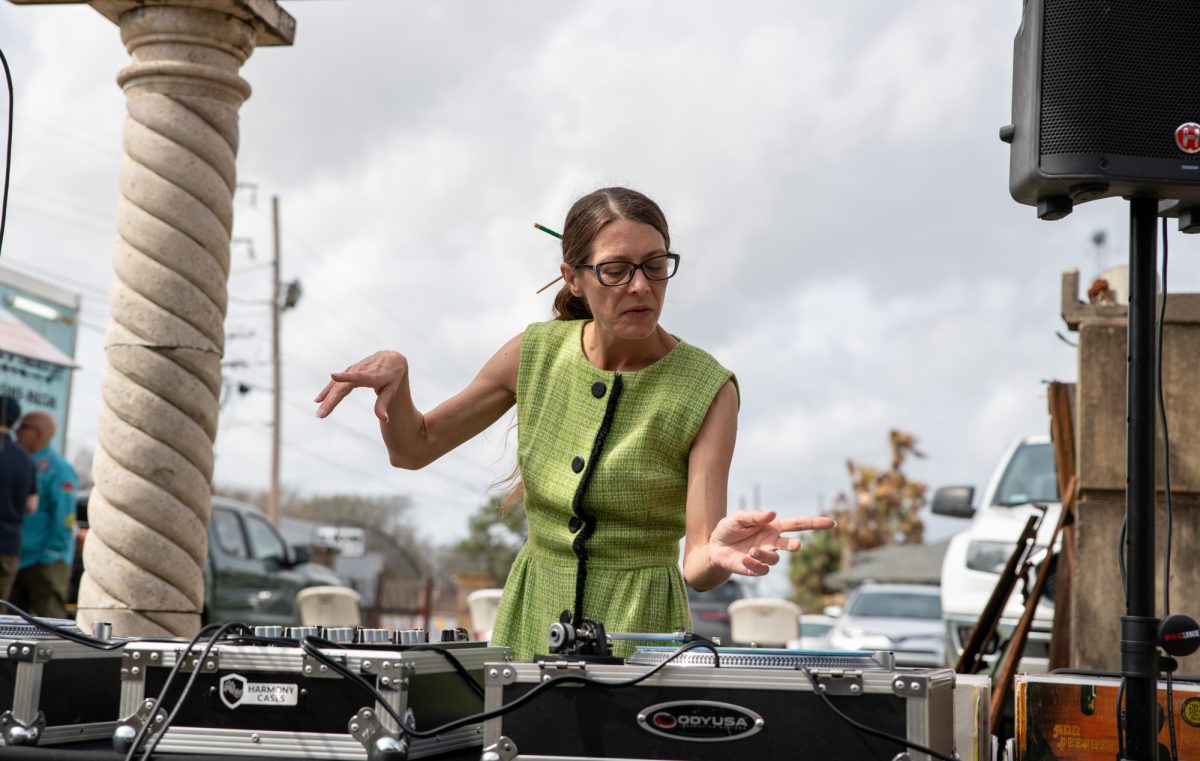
<point>39,323</point>
<point>350,541</point>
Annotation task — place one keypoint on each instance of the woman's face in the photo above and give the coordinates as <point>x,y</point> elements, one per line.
<point>628,311</point>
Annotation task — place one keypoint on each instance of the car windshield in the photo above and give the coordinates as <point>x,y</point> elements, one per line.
<point>265,544</point>
<point>896,605</point>
<point>810,629</point>
<point>1029,477</point>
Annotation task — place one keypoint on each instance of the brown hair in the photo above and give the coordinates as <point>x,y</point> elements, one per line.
<point>585,220</point>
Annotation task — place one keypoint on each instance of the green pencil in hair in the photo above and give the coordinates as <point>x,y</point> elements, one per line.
<point>548,231</point>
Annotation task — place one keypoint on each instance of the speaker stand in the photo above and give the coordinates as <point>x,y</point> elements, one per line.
<point>1139,627</point>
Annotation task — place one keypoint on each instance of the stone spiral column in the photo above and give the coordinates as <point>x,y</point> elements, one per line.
<point>147,547</point>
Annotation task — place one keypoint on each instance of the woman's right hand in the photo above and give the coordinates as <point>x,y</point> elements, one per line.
<point>383,371</point>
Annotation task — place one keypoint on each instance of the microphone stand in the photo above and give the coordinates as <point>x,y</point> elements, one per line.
<point>1139,626</point>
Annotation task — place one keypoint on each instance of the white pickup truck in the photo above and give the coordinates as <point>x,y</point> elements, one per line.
<point>977,555</point>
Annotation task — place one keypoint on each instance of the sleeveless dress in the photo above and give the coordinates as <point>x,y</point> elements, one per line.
<point>603,457</point>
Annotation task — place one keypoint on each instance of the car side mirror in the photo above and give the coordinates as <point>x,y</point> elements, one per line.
<point>833,611</point>
<point>954,501</point>
<point>301,555</point>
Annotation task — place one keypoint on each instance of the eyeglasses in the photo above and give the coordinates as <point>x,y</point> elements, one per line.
<point>659,267</point>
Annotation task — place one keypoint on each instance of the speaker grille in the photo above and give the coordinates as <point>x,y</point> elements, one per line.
<point>1118,76</point>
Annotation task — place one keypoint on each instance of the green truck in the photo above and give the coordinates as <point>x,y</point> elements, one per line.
<point>252,575</point>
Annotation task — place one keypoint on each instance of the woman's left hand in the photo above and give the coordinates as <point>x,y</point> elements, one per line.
<point>748,542</point>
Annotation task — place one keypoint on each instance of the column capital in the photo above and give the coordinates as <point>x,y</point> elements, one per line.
<point>273,25</point>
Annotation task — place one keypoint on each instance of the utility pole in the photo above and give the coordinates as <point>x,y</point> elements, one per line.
<point>276,370</point>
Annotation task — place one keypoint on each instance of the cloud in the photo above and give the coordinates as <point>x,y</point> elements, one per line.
<point>832,174</point>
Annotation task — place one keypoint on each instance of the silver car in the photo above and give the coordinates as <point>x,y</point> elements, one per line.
<point>903,618</point>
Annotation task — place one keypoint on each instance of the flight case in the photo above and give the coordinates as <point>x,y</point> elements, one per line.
<point>703,713</point>
<point>279,701</point>
<point>42,677</point>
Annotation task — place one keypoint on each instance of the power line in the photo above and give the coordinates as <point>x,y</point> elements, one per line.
<point>365,474</point>
<point>70,219</point>
<point>349,328</point>
<point>249,268</point>
<point>54,198</point>
<point>244,424</point>
<point>472,487</point>
<point>74,137</point>
<point>306,408</point>
<point>371,300</point>
<point>47,273</point>
<point>243,301</point>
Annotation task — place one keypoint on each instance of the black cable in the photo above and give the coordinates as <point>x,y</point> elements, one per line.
<point>187,687</point>
<point>1123,541</point>
<point>141,733</point>
<point>712,645</point>
<point>467,676</point>
<point>559,680</point>
<point>441,650</point>
<point>64,632</point>
<point>313,645</point>
<point>872,730</point>
<point>7,150</point>
<point>1166,439</point>
<point>310,645</point>
<point>1121,550</point>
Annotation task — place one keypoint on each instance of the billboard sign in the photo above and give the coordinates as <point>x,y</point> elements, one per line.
<point>38,327</point>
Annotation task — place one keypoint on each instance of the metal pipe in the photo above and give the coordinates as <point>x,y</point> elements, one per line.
<point>1139,653</point>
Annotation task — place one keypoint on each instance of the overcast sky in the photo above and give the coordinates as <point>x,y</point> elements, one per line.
<point>832,175</point>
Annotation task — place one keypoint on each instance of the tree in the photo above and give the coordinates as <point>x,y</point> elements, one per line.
<point>808,569</point>
<point>886,503</point>
<point>494,538</point>
<point>884,511</point>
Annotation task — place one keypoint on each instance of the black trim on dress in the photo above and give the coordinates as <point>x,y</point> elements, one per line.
<point>589,521</point>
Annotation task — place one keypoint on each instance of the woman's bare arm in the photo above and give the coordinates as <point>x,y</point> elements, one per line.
<point>415,439</point>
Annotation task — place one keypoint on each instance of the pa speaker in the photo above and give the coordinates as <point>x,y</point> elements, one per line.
<point>1106,103</point>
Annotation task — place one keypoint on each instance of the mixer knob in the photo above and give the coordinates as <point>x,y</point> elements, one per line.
<point>300,632</point>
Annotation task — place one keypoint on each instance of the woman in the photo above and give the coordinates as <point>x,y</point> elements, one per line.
<point>625,437</point>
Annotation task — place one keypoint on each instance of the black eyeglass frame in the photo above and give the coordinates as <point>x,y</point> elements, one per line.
<point>633,268</point>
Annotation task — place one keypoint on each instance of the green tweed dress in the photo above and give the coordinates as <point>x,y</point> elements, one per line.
<point>603,457</point>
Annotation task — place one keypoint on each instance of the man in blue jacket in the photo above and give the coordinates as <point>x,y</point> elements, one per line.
<point>18,495</point>
<point>48,539</point>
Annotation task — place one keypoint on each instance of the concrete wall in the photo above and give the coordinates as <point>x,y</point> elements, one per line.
<point>1099,601</point>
